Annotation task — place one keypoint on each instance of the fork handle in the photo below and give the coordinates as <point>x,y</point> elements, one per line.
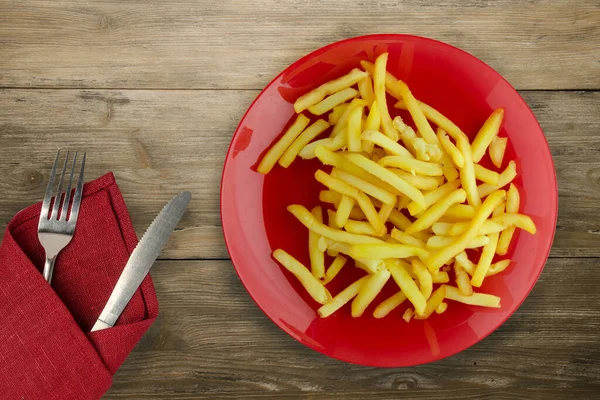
<point>49,268</point>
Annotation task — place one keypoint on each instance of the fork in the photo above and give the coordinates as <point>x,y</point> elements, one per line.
<point>55,231</point>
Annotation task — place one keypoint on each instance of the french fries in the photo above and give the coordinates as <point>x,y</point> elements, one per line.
<point>512,206</point>
<point>305,137</point>
<point>316,95</point>
<point>330,102</point>
<point>368,291</point>
<point>497,149</point>
<point>379,77</point>
<point>402,204</point>
<point>313,286</point>
<point>389,304</point>
<point>317,256</point>
<point>486,134</point>
<point>275,152</point>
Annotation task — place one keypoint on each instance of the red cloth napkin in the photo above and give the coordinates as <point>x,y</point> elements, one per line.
<point>46,348</point>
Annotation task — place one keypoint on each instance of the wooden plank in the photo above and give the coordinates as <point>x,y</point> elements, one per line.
<point>539,44</point>
<point>161,142</point>
<point>212,340</point>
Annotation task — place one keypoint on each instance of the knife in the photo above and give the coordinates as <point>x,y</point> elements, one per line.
<point>141,260</point>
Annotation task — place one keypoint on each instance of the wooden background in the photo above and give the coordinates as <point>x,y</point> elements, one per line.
<point>153,90</point>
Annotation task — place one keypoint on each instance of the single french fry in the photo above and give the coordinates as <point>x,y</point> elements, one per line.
<point>317,256</point>
<point>460,212</point>
<point>411,165</point>
<point>337,185</point>
<point>305,137</point>
<point>376,251</point>
<point>368,291</point>
<point>485,175</point>
<point>490,226</point>
<point>277,150</point>
<point>420,182</point>
<point>387,176</point>
<point>313,286</point>
<point>463,261</point>
<point>497,149</point>
<point>336,113</point>
<point>506,177</point>
<point>357,214</point>
<point>424,278</point>
<point>420,146</point>
<point>462,280</point>
<point>384,212</point>
<point>329,196</point>
<point>333,100</point>
<point>467,174</point>
<point>405,238</point>
<point>322,244</point>
<point>364,186</point>
<point>389,304</point>
<point>354,129</point>
<point>379,77</point>
<point>331,87</point>
<point>520,221</point>
<point>440,277</point>
<point>437,242</point>
<point>388,144</point>
<point>333,144</point>
<point>408,314</point>
<point>342,298</point>
<point>335,267</point>
<point>433,303</point>
<point>436,211</point>
<point>365,88</point>
<point>416,113</point>
<point>433,197</point>
<point>368,209</point>
<point>408,286</point>
<point>399,220</point>
<point>441,308</point>
<point>485,261</point>
<point>372,124</point>
<point>476,299</point>
<point>443,228</point>
<point>450,171</point>
<point>512,206</point>
<point>498,267</point>
<point>308,220</point>
<point>343,211</point>
<point>343,120</point>
<point>486,134</point>
<point>440,258</point>
<point>403,202</point>
<point>331,221</point>
<point>360,228</point>
<point>450,148</point>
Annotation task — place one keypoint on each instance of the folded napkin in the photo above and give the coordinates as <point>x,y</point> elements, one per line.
<point>46,348</point>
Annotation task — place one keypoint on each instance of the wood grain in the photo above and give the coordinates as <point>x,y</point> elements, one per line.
<point>161,142</point>
<point>216,341</point>
<point>182,44</point>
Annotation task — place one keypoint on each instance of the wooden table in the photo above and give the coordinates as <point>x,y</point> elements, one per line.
<point>153,90</point>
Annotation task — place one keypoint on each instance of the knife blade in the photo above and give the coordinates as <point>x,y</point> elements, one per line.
<point>141,260</point>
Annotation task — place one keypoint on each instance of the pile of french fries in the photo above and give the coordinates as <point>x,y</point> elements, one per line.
<point>427,185</point>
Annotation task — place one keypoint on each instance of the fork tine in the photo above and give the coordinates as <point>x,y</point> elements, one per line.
<point>58,197</point>
<point>48,195</point>
<point>78,192</point>
<point>65,208</point>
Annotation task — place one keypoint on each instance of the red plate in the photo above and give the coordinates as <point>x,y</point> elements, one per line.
<point>255,220</point>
